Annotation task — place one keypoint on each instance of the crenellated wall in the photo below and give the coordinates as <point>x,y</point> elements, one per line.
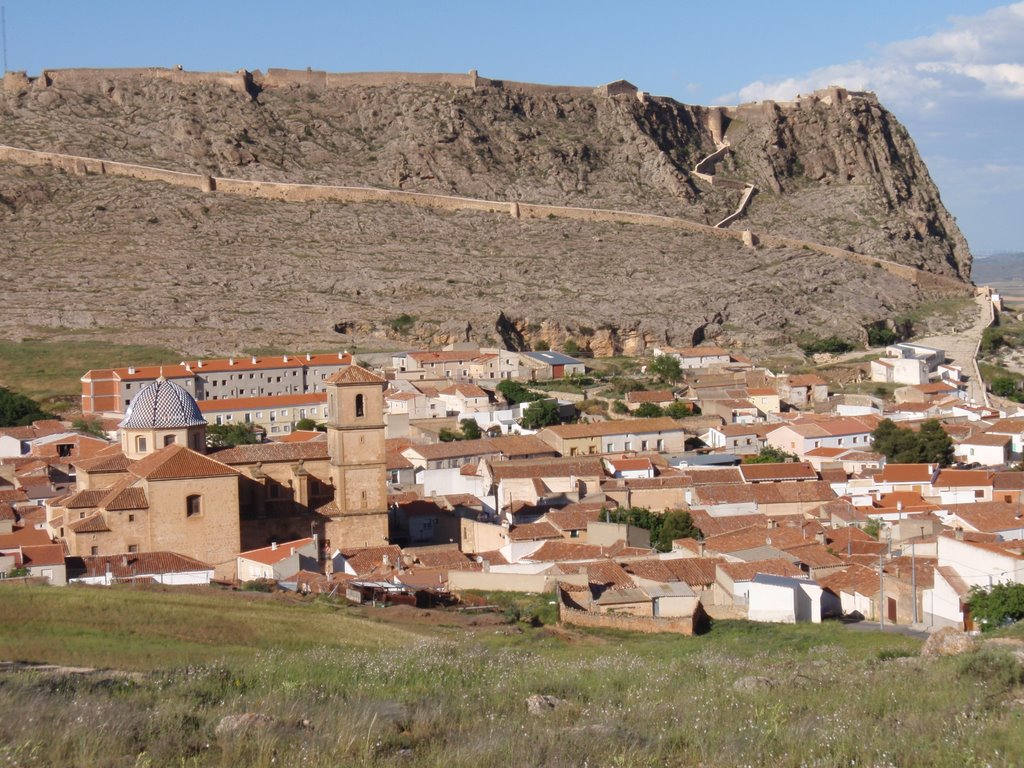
<point>290,192</point>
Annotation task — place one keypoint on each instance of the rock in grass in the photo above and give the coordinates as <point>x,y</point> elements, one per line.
<point>947,642</point>
<point>753,683</point>
<point>236,725</point>
<point>541,704</point>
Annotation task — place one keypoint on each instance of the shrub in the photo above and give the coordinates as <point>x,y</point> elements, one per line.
<point>881,336</point>
<point>571,348</point>
<point>619,407</point>
<point>514,392</point>
<point>833,345</point>
<point>648,411</point>
<point>678,410</point>
<point>992,338</point>
<point>997,605</point>
<point>541,346</point>
<point>402,324</point>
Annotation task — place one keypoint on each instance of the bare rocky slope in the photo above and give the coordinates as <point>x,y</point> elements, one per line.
<point>210,273</point>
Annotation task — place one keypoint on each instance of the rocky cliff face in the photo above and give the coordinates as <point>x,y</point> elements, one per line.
<point>844,174</point>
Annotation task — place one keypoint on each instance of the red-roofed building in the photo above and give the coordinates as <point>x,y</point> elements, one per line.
<point>279,561</point>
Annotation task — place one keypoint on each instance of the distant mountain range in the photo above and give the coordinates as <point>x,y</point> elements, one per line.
<point>998,268</point>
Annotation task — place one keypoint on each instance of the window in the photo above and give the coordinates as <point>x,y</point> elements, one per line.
<point>64,450</point>
<point>360,408</point>
<point>133,549</point>
<point>979,494</point>
<point>140,444</point>
<point>168,440</point>
<point>131,518</point>
<point>193,505</point>
<point>94,551</point>
<point>661,445</point>
<point>643,445</point>
<point>628,445</point>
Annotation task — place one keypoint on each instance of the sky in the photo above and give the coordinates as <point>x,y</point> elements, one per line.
<point>952,72</point>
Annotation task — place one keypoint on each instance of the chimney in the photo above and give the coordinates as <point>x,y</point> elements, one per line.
<point>199,363</point>
<point>231,361</point>
<point>701,546</point>
<point>309,357</point>
<point>820,537</point>
<point>284,358</point>
<point>131,369</point>
<point>254,359</point>
<point>772,523</point>
<point>124,561</point>
<point>273,546</point>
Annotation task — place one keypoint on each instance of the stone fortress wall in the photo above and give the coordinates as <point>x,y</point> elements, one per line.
<point>291,192</point>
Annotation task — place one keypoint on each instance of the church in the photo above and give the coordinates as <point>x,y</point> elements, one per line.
<point>160,489</point>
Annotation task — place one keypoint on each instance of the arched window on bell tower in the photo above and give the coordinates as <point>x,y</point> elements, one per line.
<point>360,409</point>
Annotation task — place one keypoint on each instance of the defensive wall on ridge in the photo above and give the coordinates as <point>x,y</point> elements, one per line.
<point>291,192</point>
<point>243,80</point>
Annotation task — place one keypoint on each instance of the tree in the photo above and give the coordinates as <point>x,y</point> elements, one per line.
<point>619,407</point>
<point>666,368</point>
<point>470,429</point>
<point>675,524</point>
<point>833,345</point>
<point>770,455</point>
<point>677,409</point>
<point>648,411</point>
<point>227,435</point>
<point>881,337</point>
<point>1005,386</point>
<point>541,346</point>
<point>997,605</point>
<point>542,413</point>
<point>448,435</point>
<point>515,393</point>
<point>571,348</point>
<point>91,426</point>
<point>664,528</point>
<point>16,410</point>
<point>306,425</point>
<point>873,528</point>
<point>929,445</point>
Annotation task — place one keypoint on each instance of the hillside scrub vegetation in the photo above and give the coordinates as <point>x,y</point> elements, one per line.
<point>341,685</point>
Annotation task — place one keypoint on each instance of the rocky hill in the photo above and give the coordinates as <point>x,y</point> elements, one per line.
<point>212,273</point>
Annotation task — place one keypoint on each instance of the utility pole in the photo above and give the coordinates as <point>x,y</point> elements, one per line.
<point>913,579</point>
<point>881,593</point>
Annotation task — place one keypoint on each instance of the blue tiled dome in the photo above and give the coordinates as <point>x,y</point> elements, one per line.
<point>162,405</point>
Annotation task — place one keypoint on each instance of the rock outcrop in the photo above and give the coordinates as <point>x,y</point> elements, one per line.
<point>214,272</point>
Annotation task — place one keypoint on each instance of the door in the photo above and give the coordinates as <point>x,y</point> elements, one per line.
<point>890,609</point>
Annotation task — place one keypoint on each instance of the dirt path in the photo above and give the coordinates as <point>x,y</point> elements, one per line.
<point>961,347</point>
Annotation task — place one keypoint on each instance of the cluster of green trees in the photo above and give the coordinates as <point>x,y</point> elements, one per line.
<point>666,368</point>
<point>881,336</point>
<point>997,605</point>
<point>228,435</point>
<point>516,393</point>
<point>832,345</point>
<point>17,410</point>
<point>468,430</point>
<point>928,445</point>
<point>770,455</point>
<point>676,410</point>
<point>664,527</point>
<point>1008,387</point>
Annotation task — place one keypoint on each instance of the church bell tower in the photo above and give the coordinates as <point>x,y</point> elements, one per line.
<point>355,440</point>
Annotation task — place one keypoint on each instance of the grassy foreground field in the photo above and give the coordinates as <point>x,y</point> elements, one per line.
<point>391,688</point>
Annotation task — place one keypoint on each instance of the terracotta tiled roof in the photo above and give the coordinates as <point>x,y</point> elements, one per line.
<point>754,473</point>
<point>396,460</point>
<point>508,445</point>
<point>747,571</point>
<point>43,554</point>
<point>23,537</point>
<point>176,462</point>
<point>854,578</point>
<point>1008,426</point>
<point>447,558</point>
<point>533,532</point>
<point>7,511</point>
<point>355,374</point>
<point>371,559</point>
<point>13,496</point>
<point>272,452</point>
<point>754,537</point>
<point>617,427</point>
<point>714,475</point>
<point>92,524</point>
<point>272,555</point>
<point>565,550</point>
<point>125,497</point>
<point>302,436</point>
<point>577,467</point>
<point>905,473</point>
<point>813,555</point>
<point>443,356</point>
<point>807,492</point>
<point>659,396</point>
<point>87,499</point>
<point>110,459</point>
<point>574,517</point>
<point>987,439</point>
<point>631,465</point>
<point>990,516</point>
<point>961,587</point>
<point>494,557</point>
<point>962,478</point>
<point>715,526</point>
<point>141,564</point>
<point>1008,481</point>
<point>465,390</point>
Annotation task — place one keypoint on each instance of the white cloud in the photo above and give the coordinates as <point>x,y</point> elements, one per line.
<point>977,57</point>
